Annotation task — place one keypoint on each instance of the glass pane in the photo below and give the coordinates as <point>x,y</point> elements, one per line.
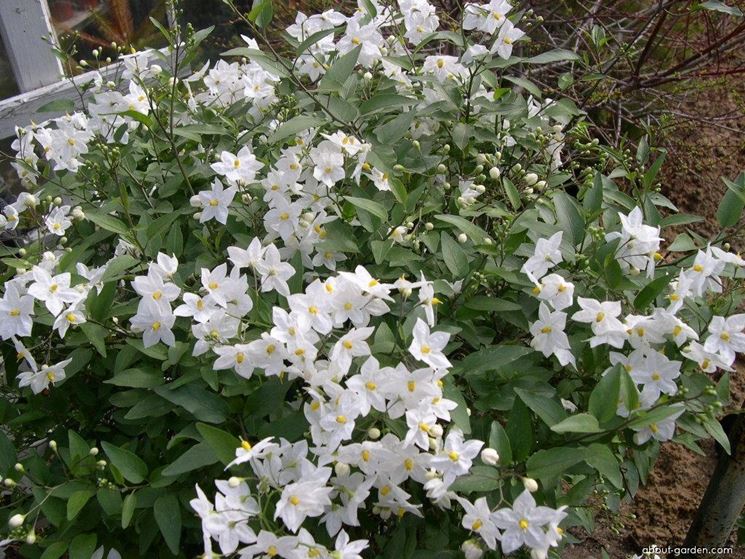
<point>95,24</point>
<point>8,86</point>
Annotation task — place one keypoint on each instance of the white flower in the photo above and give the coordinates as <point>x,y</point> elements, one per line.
<point>478,518</point>
<point>657,374</point>
<point>240,168</point>
<point>301,500</point>
<point>214,203</point>
<point>15,313</point>
<point>155,323</point>
<point>329,163</point>
<point>72,316</point>
<point>603,319</point>
<point>249,257</point>
<point>546,256</point>
<point>247,451</point>
<point>556,291</point>
<point>456,456</point>
<point>53,291</point>
<point>487,17</point>
<point>428,346</point>
<point>351,345</point>
<point>40,380</point>
<point>523,523</point>
<point>274,272</point>
<point>549,337</point>
<point>508,34</point>
<point>663,430</point>
<point>726,336</point>
<point>57,221</point>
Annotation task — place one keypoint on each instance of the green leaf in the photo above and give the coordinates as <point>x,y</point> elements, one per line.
<point>491,358</point>
<point>393,130</point>
<point>261,14</point>
<point>650,292</point>
<point>77,501</point>
<point>604,397</point>
<point>527,85</point>
<point>568,216</point>
<point>118,265</point>
<point>137,378</point>
<point>370,206</point>
<point>491,304</point>
<point>553,462</point>
<point>79,449</point>
<point>512,194</point>
<point>479,479</point>
<point>461,135</point>
<point>454,256</point>
<point>8,455</point>
<point>717,6</point>
<point>714,428</point>
<point>108,222</point>
<point>203,405</point>
<point>168,517</point>
<point>196,457</point>
<point>578,423</point>
<point>293,126</point>
<point>550,411</point>
<point>593,199</point>
<point>604,461</point>
<point>499,441</point>
<point>57,106</point>
<point>473,231</point>
<point>733,202</point>
<point>222,443</point>
<point>83,546</point>
<point>556,55</point>
<point>390,102</point>
<point>460,413</point>
<point>54,551</point>
<point>129,464</point>
<point>128,509</point>
<point>313,39</point>
<point>340,70</point>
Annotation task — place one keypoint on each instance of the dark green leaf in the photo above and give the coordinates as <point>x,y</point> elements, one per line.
<point>129,464</point>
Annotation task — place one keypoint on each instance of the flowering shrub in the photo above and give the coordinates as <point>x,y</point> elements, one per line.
<point>363,299</point>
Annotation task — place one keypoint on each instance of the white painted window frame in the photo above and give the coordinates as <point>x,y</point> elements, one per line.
<point>24,26</point>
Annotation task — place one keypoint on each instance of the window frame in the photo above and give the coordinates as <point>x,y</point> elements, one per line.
<point>38,72</point>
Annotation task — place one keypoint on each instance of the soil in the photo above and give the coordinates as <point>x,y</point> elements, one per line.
<point>702,149</point>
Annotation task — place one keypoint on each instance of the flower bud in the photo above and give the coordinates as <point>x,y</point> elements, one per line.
<point>429,226</point>
<point>446,148</point>
<point>516,168</point>
<point>442,169</point>
<point>436,430</point>
<point>341,469</point>
<point>462,238</point>
<point>101,464</point>
<point>19,468</point>
<point>77,213</point>
<point>16,520</point>
<point>93,451</point>
<point>480,159</point>
<point>478,169</point>
<point>367,76</point>
<point>540,185</point>
<point>471,549</point>
<point>9,483</point>
<point>155,69</point>
<point>53,445</point>
<point>489,456</point>
<point>57,201</point>
<point>416,144</point>
<point>399,168</point>
<point>530,484</point>
<point>198,216</point>
<point>530,179</point>
<point>494,173</point>
<point>31,537</point>
<point>373,433</point>
<point>406,292</point>
<point>22,252</point>
<point>234,481</point>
